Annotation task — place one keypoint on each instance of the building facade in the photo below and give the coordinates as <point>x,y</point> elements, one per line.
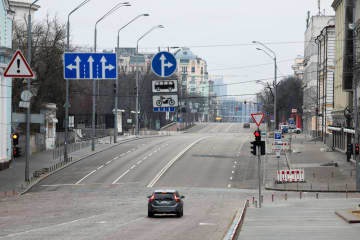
<point>326,72</point>
<point>6,16</point>
<point>21,8</point>
<point>298,67</point>
<point>314,26</point>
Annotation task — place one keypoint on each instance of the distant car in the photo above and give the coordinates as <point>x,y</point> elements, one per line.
<point>298,130</point>
<point>166,201</point>
<point>246,125</point>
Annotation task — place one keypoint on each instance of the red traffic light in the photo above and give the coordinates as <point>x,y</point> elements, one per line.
<point>257,134</point>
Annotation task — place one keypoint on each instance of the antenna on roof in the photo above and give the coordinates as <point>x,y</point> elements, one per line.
<point>319,7</point>
<point>308,19</point>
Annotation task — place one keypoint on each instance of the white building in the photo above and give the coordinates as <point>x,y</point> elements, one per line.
<point>314,26</point>
<point>6,16</point>
<point>21,8</point>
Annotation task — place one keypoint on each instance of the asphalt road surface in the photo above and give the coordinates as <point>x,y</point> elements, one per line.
<point>105,196</point>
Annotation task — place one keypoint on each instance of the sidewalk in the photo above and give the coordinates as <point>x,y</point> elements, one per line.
<point>300,219</point>
<point>324,171</point>
<point>12,180</point>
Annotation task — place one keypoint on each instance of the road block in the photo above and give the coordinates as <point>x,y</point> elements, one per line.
<point>291,175</point>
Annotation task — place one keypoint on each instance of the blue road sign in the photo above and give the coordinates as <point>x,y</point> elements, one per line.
<point>163,64</point>
<point>277,136</point>
<point>90,66</point>
<point>164,109</point>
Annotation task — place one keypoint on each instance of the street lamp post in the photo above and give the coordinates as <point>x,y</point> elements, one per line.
<point>112,10</point>
<point>67,104</point>
<point>273,56</point>
<point>28,112</point>
<point>117,80</point>
<point>137,76</point>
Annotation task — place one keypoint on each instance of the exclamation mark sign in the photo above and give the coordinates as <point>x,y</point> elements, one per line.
<point>18,65</point>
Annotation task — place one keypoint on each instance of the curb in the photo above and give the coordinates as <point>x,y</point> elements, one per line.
<point>237,223</point>
<point>32,184</point>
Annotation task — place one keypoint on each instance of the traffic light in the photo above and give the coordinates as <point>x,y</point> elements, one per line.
<point>257,135</point>
<point>15,138</point>
<point>16,152</point>
<point>253,147</point>
<point>357,149</point>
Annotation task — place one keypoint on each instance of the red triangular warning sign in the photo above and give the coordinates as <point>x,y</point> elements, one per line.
<point>18,67</point>
<point>258,118</point>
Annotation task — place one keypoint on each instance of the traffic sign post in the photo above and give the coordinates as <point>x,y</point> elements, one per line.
<point>164,86</point>
<point>258,118</point>
<point>18,67</point>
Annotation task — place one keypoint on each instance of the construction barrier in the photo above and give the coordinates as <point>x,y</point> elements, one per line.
<point>291,175</point>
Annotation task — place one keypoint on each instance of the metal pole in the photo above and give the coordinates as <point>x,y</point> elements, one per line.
<point>275,97</point>
<point>258,152</point>
<point>94,101</point>
<point>116,96</point>
<point>137,94</point>
<point>67,95</point>
<point>356,112</point>
<point>27,147</point>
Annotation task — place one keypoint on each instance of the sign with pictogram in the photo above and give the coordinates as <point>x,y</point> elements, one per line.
<point>18,67</point>
<point>258,118</point>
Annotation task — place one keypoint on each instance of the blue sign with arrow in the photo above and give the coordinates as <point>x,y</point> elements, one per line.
<point>90,66</point>
<point>164,64</point>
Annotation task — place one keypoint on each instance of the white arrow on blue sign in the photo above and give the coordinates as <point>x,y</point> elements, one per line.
<point>164,64</point>
<point>90,66</point>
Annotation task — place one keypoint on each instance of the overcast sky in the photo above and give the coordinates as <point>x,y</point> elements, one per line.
<point>203,25</point>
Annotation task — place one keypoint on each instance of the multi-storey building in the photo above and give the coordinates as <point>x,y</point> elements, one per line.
<point>313,28</point>
<point>6,16</point>
<point>298,67</point>
<point>326,72</point>
<point>343,74</point>
<point>21,8</point>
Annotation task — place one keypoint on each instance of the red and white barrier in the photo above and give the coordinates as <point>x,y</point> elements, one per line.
<point>291,175</point>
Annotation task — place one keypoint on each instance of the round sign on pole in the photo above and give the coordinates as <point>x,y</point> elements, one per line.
<point>164,64</point>
<point>26,95</point>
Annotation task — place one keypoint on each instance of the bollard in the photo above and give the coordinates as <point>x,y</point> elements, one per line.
<point>317,195</point>
<point>262,198</point>
<point>346,187</point>
<point>311,186</point>
<point>300,195</point>
<point>332,174</point>
<point>255,203</point>
<point>253,200</point>
<point>285,196</point>
<point>272,197</point>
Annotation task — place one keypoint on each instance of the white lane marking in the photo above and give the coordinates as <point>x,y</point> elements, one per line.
<point>128,152</point>
<point>139,162</point>
<point>230,178</point>
<point>229,186</point>
<point>145,158</point>
<point>123,154</point>
<point>100,167</point>
<point>232,172</point>
<point>234,166</point>
<point>150,154</point>
<point>133,166</point>
<point>122,175</point>
<point>59,185</point>
<point>171,162</point>
<point>207,224</point>
<point>108,162</point>
<point>235,162</point>
<point>85,177</point>
<point>115,158</point>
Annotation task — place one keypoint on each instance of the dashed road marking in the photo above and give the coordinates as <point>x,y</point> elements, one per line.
<point>100,167</point>
<point>232,172</point>
<point>229,185</point>
<point>122,175</point>
<point>133,166</point>
<point>108,162</point>
<point>139,162</point>
<point>231,178</point>
<point>115,158</point>
<point>145,158</point>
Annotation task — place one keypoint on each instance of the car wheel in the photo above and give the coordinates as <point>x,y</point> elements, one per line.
<point>180,213</point>
<point>150,214</point>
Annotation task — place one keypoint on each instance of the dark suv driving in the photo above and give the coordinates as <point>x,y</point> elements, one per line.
<point>166,201</point>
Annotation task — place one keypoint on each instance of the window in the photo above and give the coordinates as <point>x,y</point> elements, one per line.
<point>192,69</point>
<point>184,69</point>
<point>202,70</point>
